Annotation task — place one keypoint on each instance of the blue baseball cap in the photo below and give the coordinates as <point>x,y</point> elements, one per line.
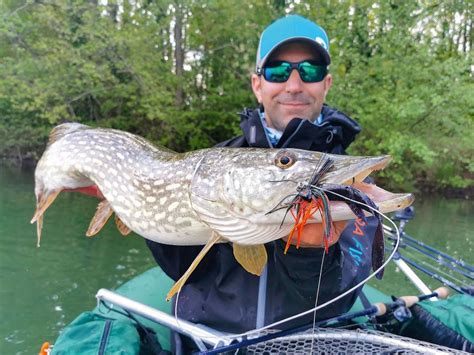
<point>292,28</point>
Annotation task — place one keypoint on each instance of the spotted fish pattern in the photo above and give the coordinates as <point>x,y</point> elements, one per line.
<point>182,198</point>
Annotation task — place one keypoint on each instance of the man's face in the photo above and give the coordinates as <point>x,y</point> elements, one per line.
<point>293,98</point>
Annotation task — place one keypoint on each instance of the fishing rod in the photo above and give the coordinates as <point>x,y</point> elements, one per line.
<point>419,244</point>
<point>403,217</point>
<point>433,274</point>
<point>438,256</point>
<point>454,277</point>
<point>374,310</point>
<point>399,258</point>
<point>469,275</point>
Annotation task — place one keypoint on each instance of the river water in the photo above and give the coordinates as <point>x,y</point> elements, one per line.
<point>43,289</point>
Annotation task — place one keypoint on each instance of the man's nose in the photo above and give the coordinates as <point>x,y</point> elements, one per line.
<point>294,82</point>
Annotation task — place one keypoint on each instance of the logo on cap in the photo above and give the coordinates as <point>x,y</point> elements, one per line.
<point>321,41</point>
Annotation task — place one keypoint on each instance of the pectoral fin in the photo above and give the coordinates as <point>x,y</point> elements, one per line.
<point>123,229</point>
<point>252,257</point>
<point>180,283</point>
<point>102,215</point>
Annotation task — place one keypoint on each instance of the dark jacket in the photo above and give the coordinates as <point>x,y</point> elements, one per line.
<point>222,295</point>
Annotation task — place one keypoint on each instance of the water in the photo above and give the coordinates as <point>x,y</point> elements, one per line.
<point>42,290</point>
<point>445,224</point>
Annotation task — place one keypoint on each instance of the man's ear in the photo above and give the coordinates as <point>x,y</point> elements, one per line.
<point>257,87</point>
<point>327,84</point>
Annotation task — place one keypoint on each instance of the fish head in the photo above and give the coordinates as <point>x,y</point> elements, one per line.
<point>245,185</point>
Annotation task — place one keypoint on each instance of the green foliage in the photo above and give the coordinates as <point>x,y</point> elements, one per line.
<point>402,69</point>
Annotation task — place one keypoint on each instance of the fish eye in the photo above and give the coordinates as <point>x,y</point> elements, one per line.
<point>285,159</point>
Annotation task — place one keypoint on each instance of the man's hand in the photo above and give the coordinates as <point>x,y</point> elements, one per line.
<point>312,235</point>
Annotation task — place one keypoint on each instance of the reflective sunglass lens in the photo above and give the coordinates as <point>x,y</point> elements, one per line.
<point>311,73</point>
<point>278,74</point>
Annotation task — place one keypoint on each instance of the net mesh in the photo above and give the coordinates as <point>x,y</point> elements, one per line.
<point>341,341</point>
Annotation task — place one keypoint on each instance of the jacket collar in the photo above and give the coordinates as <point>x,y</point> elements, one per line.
<point>336,128</point>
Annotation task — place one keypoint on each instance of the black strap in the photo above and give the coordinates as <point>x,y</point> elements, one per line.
<point>365,301</point>
<point>151,345</point>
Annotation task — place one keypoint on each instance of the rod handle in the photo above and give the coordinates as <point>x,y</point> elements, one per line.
<point>410,300</point>
<point>382,308</point>
<point>441,292</point>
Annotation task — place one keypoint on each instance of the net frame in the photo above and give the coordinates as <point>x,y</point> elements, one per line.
<point>343,341</point>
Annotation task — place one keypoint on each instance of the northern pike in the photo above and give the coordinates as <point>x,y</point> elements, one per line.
<point>199,197</point>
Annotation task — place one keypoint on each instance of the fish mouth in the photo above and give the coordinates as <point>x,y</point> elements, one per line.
<point>352,171</point>
<point>386,201</point>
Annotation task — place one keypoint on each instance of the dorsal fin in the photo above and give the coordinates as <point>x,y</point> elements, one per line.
<point>61,130</point>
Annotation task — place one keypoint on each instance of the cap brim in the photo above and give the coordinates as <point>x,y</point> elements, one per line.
<point>321,50</point>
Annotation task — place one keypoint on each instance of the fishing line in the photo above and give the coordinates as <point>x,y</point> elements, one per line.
<point>302,314</point>
<point>316,308</point>
<point>317,297</point>
<point>176,308</point>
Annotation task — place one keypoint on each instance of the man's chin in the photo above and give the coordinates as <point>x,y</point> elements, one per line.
<point>289,117</point>
<point>292,111</point>
<point>281,120</point>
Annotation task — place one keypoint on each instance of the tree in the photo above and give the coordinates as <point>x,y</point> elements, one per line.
<point>177,72</point>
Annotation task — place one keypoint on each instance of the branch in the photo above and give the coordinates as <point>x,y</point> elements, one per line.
<point>79,97</point>
<point>19,9</point>
<point>425,116</point>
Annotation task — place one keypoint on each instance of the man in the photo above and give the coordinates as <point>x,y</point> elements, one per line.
<point>291,83</point>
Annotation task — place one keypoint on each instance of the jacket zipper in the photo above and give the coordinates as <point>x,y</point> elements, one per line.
<point>105,337</point>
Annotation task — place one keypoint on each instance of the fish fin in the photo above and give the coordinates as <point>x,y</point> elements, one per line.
<point>123,229</point>
<point>253,258</point>
<point>43,201</point>
<point>101,216</point>
<point>215,237</point>
<point>61,130</point>
<point>39,228</point>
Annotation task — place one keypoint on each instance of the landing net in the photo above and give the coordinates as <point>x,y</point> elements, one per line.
<point>342,341</point>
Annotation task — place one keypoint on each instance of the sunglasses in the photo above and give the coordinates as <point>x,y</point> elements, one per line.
<point>279,72</point>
